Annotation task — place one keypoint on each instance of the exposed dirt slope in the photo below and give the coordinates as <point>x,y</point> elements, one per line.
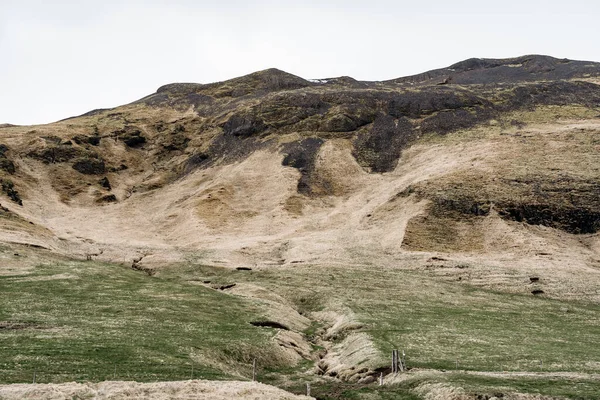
<point>497,166</point>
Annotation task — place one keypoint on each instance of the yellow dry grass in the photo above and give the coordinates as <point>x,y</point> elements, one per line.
<point>201,390</point>
<point>249,213</point>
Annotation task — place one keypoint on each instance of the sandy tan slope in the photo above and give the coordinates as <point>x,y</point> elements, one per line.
<point>133,390</point>
<point>271,170</point>
<point>249,213</point>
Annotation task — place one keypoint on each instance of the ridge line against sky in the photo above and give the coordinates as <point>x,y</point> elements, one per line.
<point>68,57</point>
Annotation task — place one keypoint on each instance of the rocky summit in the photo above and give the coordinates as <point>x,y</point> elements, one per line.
<point>483,175</point>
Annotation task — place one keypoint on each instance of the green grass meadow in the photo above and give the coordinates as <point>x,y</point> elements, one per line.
<point>92,321</point>
<point>89,321</point>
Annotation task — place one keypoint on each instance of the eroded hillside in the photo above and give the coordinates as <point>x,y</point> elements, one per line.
<point>484,175</point>
<point>497,158</point>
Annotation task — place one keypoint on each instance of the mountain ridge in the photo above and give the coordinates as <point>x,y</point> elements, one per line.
<point>536,67</point>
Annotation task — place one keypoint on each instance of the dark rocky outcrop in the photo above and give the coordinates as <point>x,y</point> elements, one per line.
<point>6,164</point>
<point>570,204</point>
<point>509,70</point>
<point>569,219</point>
<point>551,93</point>
<point>195,161</point>
<point>414,104</point>
<point>243,125</point>
<point>60,153</point>
<point>301,155</point>
<point>121,167</point>
<point>8,187</point>
<point>131,136</point>
<point>94,140</point>
<point>109,198</point>
<point>177,142</point>
<point>270,324</point>
<point>379,148</point>
<point>452,120</point>
<point>104,182</point>
<point>90,166</point>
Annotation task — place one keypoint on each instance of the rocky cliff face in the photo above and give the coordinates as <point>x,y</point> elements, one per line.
<point>271,168</point>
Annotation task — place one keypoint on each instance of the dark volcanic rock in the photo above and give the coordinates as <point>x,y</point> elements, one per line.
<point>447,121</point>
<point>570,205</point>
<point>104,182</point>
<point>177,142</point>
<point>416,104</point>
<point>59,153</point>
<point>121,167</point>
<point>134,140</point>
<point>569,219</point>
<point>131,136</point>
<point>84,139</point>
<point>244,125</point>
<point>239,138</point>
<point>349,118</point>
<point>510,70</point>
<point>6,164</point>
<point>301,155</point>
<point>339,123</point>
<point>90,166</point>
<point>195,161</point>
<point>290,108</point>
<point>380,148</point>
<point>109,198</point>
<point>464,206</point>
<point>8,187</point>
<point>229,148</point>
<point>553,93</point>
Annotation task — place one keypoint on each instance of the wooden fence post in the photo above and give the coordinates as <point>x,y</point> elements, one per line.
<point>307,389</point>
<point>395,360</point>
<point>254,370</point>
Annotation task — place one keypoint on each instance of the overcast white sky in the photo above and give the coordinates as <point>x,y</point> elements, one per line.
<point>63,58</point>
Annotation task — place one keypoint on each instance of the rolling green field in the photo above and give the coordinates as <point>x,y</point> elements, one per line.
<point>438,322</point>
<point>76,320</point>
<point>92,321</point>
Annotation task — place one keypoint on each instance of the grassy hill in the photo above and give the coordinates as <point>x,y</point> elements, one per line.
<point>314,226</point>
